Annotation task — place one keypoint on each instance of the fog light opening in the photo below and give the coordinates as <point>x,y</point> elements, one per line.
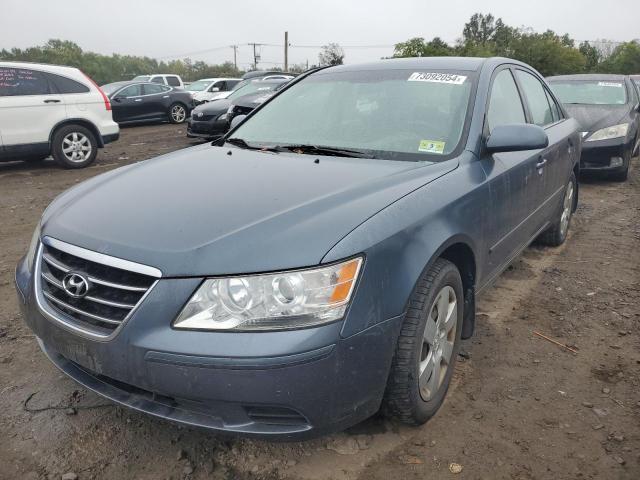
<point>616,162</point>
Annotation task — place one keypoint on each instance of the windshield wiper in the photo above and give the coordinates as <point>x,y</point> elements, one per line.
<point>240,142</point>
<point>320,150</point>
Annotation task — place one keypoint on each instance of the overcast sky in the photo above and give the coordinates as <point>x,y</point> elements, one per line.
<point>203,30</point>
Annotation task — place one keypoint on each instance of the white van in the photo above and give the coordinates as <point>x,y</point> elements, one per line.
<point>52,110</point>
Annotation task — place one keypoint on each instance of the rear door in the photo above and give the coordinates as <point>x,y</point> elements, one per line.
<point>155,100</point>
<point>514,181</point>
<point>29,107</point>
<point>127,104</point>
<point>556,160</point>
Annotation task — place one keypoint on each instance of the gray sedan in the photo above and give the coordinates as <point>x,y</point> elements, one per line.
<point>320,262</point>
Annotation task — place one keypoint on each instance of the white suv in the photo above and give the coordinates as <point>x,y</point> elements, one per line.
<point>52,110</point>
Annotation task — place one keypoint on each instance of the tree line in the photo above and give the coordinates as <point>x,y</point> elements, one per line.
<point>482,36</point>
<point>548,52</point>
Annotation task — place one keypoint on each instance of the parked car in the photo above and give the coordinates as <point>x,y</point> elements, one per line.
<point>169,79</point>
<point>608,110</point>
<point>322,261</point>
<point>245,104</point>
<point>211,120</point>
<point>52,110</point>
<point>209,89</point>
<point>147,102</point>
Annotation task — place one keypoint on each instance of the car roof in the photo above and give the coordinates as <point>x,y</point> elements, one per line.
<point>439,63</point>
<point>588,76</point>
<point>215,79</point>
<point>40,66</point>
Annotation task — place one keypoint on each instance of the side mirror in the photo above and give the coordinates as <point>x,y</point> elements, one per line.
<point>517,137</point>
<point>214,89</point>
<point>117,99</point>
<point>237,120</point>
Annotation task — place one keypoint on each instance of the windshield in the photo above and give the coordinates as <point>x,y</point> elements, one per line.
<point>142,78</point>
<point>199,86</point>
<point>250,87</point>
<point>393,114</point>
<point>590,92</point>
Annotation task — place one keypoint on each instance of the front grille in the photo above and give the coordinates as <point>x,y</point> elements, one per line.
<point>112,295</point>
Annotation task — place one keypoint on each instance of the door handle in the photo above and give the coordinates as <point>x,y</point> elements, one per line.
<point>166,96</point>
<point>541,163</point>
<point>52,100</point>
<point>138,100</point>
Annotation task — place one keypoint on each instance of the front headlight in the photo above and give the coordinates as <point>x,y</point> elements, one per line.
<point>607,133</point>
<point>275,301</point>
<point>33,247</point>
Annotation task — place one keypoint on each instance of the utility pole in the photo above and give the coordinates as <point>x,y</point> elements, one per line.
<point>235,56</point>
<point>256,56</point>
<point>286,51</point>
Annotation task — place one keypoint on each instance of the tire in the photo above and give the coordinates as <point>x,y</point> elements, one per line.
<point>74,146</point>
<point>556,234</point>
<point>414,394</point>
<point>177,113</point>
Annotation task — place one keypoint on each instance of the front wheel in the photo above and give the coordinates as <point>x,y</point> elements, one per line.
<point>74,146</point>
<point>177,113</point>
<point>556,234</point>
<point>427,346</point>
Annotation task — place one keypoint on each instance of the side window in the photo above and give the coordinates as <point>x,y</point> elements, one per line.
<point>232,83</point>
<point>152,88</point>
<point>157,80</point>
<point>555,110</point>
<point>221,86</point>
<point>505,106</point>
<point>131,91</point>
<point>536,98</point>
<point>66,85</point>
<point>21,81</point>
<point>173,81</point>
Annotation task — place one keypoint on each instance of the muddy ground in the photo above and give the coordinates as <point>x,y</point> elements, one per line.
<point>520,407</point>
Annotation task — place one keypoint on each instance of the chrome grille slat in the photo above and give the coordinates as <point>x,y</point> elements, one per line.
<point>102,301</point>
<point>116,287</point>
<point>81,312</point>
<point>65,269</point>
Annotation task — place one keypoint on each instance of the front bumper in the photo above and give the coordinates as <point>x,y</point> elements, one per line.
<point>605,155</point>
<point>285,385</point>
<point>209,129</point>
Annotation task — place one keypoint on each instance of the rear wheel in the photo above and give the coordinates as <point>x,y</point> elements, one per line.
<point>427,347</point>
<point>177,113</point>
<point>74,146</point>
<point>556,234</point>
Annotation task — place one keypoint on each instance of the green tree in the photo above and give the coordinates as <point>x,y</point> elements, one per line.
<point>331,54</point>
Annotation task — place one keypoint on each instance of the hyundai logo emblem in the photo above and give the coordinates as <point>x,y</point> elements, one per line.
<point>200,114</point>
<point>75,285</point>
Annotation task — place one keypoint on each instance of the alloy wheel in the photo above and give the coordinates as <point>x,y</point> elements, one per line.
<point>437,342</point>
<point>76,147</point>
<point>178,113</point>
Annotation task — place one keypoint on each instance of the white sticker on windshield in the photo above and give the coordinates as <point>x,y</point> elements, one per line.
<point>437,78</point>
<point>609,84</point>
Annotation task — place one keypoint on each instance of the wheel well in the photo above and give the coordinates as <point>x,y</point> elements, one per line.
<point>461,255</point>
<point>78,121</point>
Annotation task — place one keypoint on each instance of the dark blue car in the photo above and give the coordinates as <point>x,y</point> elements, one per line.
<point>321,262</point>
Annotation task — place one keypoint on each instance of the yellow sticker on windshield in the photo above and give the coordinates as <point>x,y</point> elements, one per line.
<point>431,146</point>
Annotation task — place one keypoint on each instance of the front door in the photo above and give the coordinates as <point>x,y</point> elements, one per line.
<point>126,104</point>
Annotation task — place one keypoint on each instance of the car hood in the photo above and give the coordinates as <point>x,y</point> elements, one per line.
<point>254,99</point>
<point>215,107</point>
<point>204,211</point>
<point>595,117</point>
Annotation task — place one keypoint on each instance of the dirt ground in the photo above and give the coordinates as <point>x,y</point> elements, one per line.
<point>520,407</point>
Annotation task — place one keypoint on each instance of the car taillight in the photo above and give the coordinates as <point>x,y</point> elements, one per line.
<point>107,103</point>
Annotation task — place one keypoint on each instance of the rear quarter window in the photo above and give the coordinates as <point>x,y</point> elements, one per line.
<point>23,81</point>
<point>66,85</point>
